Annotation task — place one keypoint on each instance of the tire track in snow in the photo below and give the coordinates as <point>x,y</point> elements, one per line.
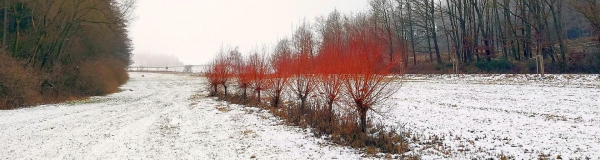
<point>83,127</point>
<point>154,118</point>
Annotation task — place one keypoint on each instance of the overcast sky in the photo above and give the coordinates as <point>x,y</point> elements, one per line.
<point>194,30</point>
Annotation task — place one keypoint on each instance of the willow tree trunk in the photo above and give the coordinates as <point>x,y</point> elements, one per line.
<point>258,91</point>
<point>302,103</point>
<point>363,118</point>
<point>245,95</point>
<point>215,91</point>
<point>330,110</point>
<point>276,98</point>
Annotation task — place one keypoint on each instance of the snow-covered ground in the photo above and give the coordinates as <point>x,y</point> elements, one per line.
<point>156,117</point>
<point>165,116</point>
<point>479,116</point>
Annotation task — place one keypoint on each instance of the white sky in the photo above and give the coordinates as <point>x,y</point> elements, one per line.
<point>194,30</point>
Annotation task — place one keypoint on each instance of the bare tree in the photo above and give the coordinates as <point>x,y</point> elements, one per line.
<point>383,12</point>
<point>304,82</point>
<point>591,10</point>
<point>5,24</point>
<point>281,62</point>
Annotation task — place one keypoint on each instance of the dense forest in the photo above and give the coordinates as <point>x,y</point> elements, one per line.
<point>497,36</point>
<point>55,50</point>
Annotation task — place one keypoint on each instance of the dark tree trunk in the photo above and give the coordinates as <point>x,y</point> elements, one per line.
<point>412,34</point>
<point>427,30</point>
<point>330,109</point>
<point>5,25</point>
<point>258,95</point>
<point>276,98</point>
<point>434,34</point>
<point>556,16</point>
<point>363,119</point>
<point>215,90</point>
<point>302,103</point>
<point>245,94</point>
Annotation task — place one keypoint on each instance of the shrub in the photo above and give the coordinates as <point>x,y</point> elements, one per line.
<point>212,77</point>
<point>97,77</point>
<point>581,62</point>
<point>531,66</point>
<point>365,78</point>
<point>497,66</point>
<point>280,64</point>
<point>259,74</point>
<point>18,85</point>
<point>330,91</point>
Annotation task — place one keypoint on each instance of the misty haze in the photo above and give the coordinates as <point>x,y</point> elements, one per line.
<point>155,60</point>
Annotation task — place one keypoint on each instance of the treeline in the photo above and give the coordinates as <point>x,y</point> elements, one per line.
<point>55,50</point>
<point>328,79</point>
<point>494,35</point>
<point>155,60</point>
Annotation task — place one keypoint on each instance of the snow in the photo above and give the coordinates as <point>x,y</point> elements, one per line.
<point>155,118</point>
<point>168,116</point>
<point>484,116</point>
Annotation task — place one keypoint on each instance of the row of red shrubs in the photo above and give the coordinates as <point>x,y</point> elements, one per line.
<point>330,90</point>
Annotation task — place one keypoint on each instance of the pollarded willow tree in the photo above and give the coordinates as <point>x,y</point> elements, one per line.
<point>348,65</point>
<point>242,75</point>
<point>212,77</point>
<point>304,82</point>
<point>366,80</point>
<point>281,63</point>
<point>260,70</point>
<point>329,62</point>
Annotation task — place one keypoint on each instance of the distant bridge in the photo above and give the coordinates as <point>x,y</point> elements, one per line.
<point>183,68</point>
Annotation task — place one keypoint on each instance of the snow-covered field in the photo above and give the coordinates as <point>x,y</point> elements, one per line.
<point>154,117</point>
<point>477,116</point>
<point>165,116</point>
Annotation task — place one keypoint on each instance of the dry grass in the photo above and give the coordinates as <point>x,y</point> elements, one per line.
<point>22,86</point>
<point>224,108</point>
<point>249,134</point>
<point>343,129</point>
<point>101,76</point>
<point>18,85</point>
<point>371,150</point>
